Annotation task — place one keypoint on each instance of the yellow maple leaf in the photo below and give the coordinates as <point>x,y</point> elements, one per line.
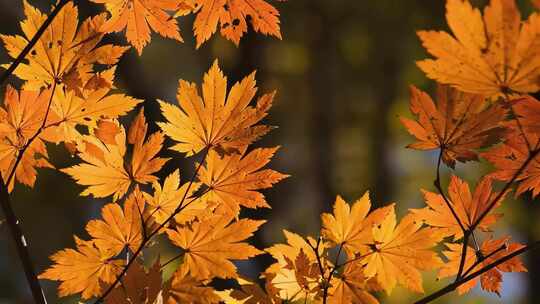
<point>211,243</point>
<point>352,227</point>
<point>398,253</point>
<point>493,55</point>
<point>233,179</point>
<point>104,170</point>
<point>233,17</point>
<point>82,270</point>
<point>139,16</point>
<point>215,120</point>
<point>65,53</point>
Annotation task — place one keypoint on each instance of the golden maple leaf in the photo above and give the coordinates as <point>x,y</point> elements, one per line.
<point>105,172</point>
<point>138,286</point>
<point>458,124</point>
<point>87,108</point>
<point>351,227</point>
<point>215,120</point>
<point>491,55</point>
<point>233,179</point>
<point>209,244</point>
<point>233,17</point>
<point>82,270</point>
<point>167,199</point>
<point>468,207</point>
<point>120,228</point>
<point>139,16</point>
<point>291,284</point>
<point>65,53</point>
<point>21,118</point>
<point>490,251</point>
<point>187,289</point>
<point>398,253</point>
<point>351,286</point>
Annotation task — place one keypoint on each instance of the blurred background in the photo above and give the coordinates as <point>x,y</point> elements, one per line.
<point>342,74</point>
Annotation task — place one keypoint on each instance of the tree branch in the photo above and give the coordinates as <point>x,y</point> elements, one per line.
<point>33,41</point>
<point>443,291</point>
<point>145,241</point>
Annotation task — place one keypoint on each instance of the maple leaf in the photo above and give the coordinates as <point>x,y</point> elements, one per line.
<point>490,251</point>
<point>167,199</point>
<point>458,124</point>
<point>138,286</point>
<point>351,287</point>
<point>215,120</point>
<point>211,243</point>
<point>104,171</point>
<point>234,179</point>
<point>21,119</point>
<point>119,228</point>
<point>233,17</point>
<point>249,293</point>
<point>87,108</point>
<point>468,207</point>
<point>65,53</point>
<point>138,17</point>
<point>294,285</point>
<point>351,227</point>
<point>521,142</point>
<point>492,55</point>
<point>186,289</point>
<point>398,253</point>
<point>82,270</point>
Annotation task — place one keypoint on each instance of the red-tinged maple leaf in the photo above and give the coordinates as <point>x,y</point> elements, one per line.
<point>233,17</point>
<point>467,206</point>
<point>490,251</point>
<point>458,123</point>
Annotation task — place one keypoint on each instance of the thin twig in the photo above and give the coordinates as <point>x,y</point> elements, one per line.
<point>33,41</point>
<point>478,261</point>
<point>449,288</point>
<point>463,257</point>
<point>156,231</point>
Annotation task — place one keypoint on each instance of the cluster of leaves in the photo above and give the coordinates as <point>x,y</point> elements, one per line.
<point>485,69</point>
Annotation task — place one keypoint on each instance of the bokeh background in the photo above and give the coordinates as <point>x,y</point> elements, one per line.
<point>342,73</point>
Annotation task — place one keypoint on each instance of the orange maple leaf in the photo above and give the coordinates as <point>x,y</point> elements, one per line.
<point>21,118</point>
<point>399,253</point>
<point>233,180</point>
<point>211,243</point>
<point>458,124</point>
<point>468,207</point>
<point>351,226</point>
<point>492,55</point>
<point>82,270</point>
<point>65,53</point>
<point>187,289</point>
<point>104,170</point>
<point>216,120</point>
<point>490,251</point>
<point>120,228</point>
<point>233,17</point>
<point>351,286</point>
<point>139,16</point>
<point>138,286</point>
